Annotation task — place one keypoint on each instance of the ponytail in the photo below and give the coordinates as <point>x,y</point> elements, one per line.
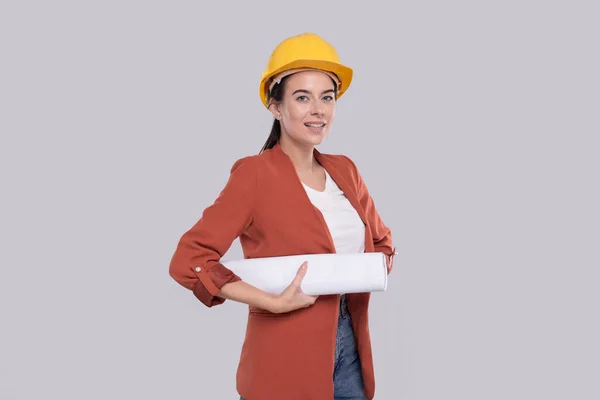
<point>273,137</point>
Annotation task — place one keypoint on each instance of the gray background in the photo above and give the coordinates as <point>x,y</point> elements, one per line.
<point>474,124</point>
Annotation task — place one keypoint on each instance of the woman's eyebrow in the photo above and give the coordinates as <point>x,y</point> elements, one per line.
<point>306,91</point>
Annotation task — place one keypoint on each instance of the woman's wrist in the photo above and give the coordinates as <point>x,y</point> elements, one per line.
<point>243,292</point>
<point>273,303</point>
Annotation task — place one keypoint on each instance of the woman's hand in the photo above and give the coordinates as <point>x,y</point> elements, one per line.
<point>293,298</point>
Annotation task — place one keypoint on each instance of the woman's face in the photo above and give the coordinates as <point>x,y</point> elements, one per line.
<point>307,108</point>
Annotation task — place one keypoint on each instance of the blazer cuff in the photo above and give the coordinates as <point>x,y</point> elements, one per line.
<point>211,281</point>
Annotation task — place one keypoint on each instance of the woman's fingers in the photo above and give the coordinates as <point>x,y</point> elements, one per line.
<point>300,274</point>
<point>293,297</point>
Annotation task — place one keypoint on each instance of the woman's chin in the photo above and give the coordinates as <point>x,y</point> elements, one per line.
<point>315,139</point>
<point>311,139</point>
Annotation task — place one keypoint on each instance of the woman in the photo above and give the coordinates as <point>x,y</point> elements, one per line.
<point>291,199</point>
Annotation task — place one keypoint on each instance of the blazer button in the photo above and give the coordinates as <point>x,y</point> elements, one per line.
<point>198,269</point>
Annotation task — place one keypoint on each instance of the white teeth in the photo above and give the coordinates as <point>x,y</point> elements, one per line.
<point>315,125</point>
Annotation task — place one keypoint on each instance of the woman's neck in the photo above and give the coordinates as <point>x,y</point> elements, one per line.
<point>302,156</point>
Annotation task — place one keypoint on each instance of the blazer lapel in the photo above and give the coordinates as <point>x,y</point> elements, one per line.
<point>296,183</point>
<point>345,184</point>
<point>349,188</point>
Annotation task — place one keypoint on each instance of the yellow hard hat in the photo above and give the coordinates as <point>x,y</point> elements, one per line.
<point>300,52</point>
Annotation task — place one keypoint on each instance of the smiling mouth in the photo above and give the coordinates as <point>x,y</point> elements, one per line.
<point>315,125</point>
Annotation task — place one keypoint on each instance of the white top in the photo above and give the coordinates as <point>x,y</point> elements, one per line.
<point>344,223</point>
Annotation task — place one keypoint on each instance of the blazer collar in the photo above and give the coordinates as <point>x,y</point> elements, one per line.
<point>343,180</point>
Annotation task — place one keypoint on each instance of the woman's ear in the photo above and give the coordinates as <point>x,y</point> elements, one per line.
<point>274,108</point>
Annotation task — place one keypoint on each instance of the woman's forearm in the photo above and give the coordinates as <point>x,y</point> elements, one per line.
<point>243,292</point>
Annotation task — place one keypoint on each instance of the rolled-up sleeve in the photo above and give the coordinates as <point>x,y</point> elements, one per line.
<point>195,263</point>
<point>382,234</point>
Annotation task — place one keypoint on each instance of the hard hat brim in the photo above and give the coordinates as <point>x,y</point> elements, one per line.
<point>344,73</point>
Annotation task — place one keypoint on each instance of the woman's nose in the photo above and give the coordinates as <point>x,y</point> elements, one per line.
<point>318,109</point>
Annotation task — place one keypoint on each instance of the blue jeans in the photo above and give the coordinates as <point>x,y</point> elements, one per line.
<point>347,374</point>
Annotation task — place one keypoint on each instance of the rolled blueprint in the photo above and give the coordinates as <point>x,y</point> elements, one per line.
<point>330,273</point>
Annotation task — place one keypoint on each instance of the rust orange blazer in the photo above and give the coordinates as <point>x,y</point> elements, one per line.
<point>284,356</point>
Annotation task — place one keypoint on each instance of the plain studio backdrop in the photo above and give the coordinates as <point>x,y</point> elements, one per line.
<point>475,125</point>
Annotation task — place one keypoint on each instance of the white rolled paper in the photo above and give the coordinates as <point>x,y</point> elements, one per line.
<point>326,273</point>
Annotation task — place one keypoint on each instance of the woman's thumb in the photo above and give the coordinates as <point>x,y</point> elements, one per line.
<point>301,273</point>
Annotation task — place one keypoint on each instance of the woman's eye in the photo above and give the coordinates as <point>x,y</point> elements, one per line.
<point>327,98</point>
<point>302,98</point>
